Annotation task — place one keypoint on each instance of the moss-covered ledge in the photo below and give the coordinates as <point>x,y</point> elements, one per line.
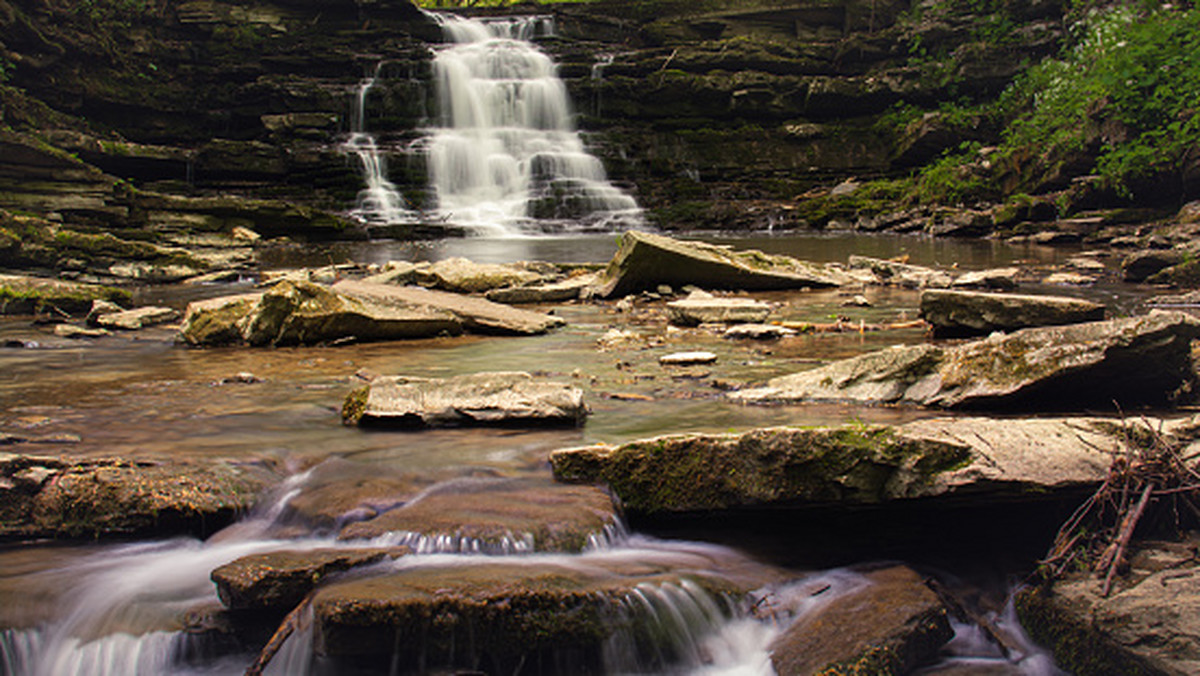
<point>973,459</point>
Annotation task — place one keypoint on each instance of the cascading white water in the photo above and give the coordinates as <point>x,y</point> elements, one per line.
<point>506,158</point>
<point>379,202</point>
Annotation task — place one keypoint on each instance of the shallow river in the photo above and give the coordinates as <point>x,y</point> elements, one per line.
<point>107,608</point>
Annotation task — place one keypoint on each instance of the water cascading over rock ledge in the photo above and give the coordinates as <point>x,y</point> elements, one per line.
<point>505,157</point>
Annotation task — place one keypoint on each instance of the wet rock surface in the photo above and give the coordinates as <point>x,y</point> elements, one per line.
<point>704,308</point>
<point>65,497</point>
<point>890,625</point>
<point>497,398</point>
<point>280,580</point>
<point>496,516</point>
<point>963,313</point>
<point>1134,360</point>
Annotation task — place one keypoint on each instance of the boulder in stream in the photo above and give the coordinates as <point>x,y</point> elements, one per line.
<point>476,314</point>
<point>889,625</point>
<point>489,398</point>
<point>139,318</point>
<point>644,261</point>
<point>496,516</point>
<point>984,459</point>
<point>963,313</point>
<point>60,496</point>
<point>902,274</point>
<point>1132,361</point>
<point>459,275</point>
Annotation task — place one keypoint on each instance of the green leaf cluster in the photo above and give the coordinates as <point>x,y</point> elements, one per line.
<point>1127,91</point>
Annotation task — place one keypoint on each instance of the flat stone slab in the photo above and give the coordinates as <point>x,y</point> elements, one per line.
<point>687,358</point>
<point>140,318</point>
<point>300,312</point>
<point>491,398</point>
<point>982,459</point>
<point>644,261</point>
<point>962,313</point>
<point>23,295</point>
<point>1133,361</point>
<point>514,612</point>
<point>757,332</point>
<point>892,624</point>
<point>62,496</point>
<point>280,580</point>
<point>999,279</point>
<point>555,292</point>
<point>476,314</point>
<point>692,311</point>
<point>499,516</point>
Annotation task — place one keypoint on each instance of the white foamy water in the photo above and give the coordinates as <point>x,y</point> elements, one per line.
<point>380,201</point>
<point>505,158</point>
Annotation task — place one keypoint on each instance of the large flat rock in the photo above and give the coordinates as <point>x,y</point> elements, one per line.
<point>490,398</point>
<point>300,312</point>
<point>476,314</point>
<point>496,516</point>
<point>979,459</point>
<point>963,313</point>
<point>888,626</point>
<point>645,260</point>
<point>61,496</point>
<point>504,612</point>
<point>1133,361</point>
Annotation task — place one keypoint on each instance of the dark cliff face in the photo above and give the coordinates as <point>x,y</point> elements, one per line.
<point>714,114</point>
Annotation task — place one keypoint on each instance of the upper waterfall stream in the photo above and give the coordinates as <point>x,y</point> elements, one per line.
<point>505,157</point>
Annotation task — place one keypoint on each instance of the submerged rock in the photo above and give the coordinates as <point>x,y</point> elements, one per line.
<point>492,398</point>
<point>60,496</point>
<point>888,626</point>
<point>24,295</point>
<point>476,314</point>
<point>496,516</point>
<point>1149,624</point>
<point>280,580</point>
<point>644,261</point>
<point>1132,361</point>
<point>851,465</point>
<point>960,313</point>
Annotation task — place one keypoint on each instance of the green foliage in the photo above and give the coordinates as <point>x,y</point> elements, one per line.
<point>6,69</point>
<point>1129,88</point>
<point>122,12</point>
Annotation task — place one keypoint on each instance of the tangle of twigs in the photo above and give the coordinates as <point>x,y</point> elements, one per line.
<point>1151,484</point>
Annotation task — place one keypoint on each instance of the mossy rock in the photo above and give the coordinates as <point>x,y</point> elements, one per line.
<point>32,295</point>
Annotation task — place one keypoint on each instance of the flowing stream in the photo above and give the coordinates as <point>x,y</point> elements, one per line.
<point>124,608</point>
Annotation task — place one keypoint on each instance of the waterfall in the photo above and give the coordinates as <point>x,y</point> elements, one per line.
<point>505,158</point>
<point>379,202</point>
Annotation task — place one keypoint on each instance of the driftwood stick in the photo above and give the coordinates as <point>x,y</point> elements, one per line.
<point>290,624</point>
<point>1122,542</point>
